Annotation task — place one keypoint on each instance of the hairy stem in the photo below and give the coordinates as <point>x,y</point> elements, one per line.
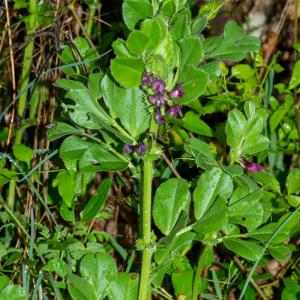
<point>145,286</point>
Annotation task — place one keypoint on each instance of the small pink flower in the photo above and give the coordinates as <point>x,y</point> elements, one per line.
<point>158,85</point>
<point>147,79</point>
<point>252,167</point>
<point>157,99</point>
<point>173,110</point>
<point>178,92</point>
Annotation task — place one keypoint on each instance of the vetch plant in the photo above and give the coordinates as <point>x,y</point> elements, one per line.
<point>120,118</point>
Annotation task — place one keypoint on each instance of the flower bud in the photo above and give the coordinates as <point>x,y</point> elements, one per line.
<point>158,117</point>
<point>127,148</point>
<point>141,149</point>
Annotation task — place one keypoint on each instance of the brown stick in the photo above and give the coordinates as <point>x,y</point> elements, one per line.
<point>173,169</point>
<point>256,287</point>
<point>13,74</point>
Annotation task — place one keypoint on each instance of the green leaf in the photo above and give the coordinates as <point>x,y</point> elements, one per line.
<point>294,201</point>
<point>281,252</point>
<point>291,290</point>
<point>80,289</point>
<point>235,43</point>
<point>293,182</point>
<point>204,157</point>
<point>183,283</point>
<point>174,247</point>
<point>295,79</point>
<point>246,213</point>
<point>94,85</point>
<point>65,183</point>
<point>198,25</point>
<point>278,115</point>
<point>211,184</point>
<point>214,219</point>
<point>247,249</point>
<point>290,294</point>
<point>193,123</point>
<point>154,31</point>
<point>120,49</point>
<point>126,287</point>
<point>13,292</point>
<point>191,51</point>
<point>66,213</point>
<point>265,232</point>
<point>180,26</point>
<point>168,8</point>
<point>72,148</point>
<point>235,128</point>
<point>109,90</point>
<point>96,202</point>
<point>84,104</point>
<point>244,136</point>
<point>255,145</point>
<point>4,281</point>
<point>56,265</point>
<point>171,198</point>
<point>242,71</point>
<point>131,109</point>
<point>253,127</point>
<point>194,83</point>
<point>96,159</point>
<point>23,153</point>
<point>100,271</point>
<point>135,11</point>
<point>6,175</point>
<point>162,60</point>
<point>137,42</point>
<point>267,180</point>
<point>127,71</point>
<point>61,129</point>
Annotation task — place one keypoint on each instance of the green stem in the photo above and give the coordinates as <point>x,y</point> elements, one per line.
<point>90,24</point>
<point>145,286</point>
<point>203,262</point>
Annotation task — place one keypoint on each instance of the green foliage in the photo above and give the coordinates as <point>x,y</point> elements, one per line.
<point>204,154</point>
<point>173,194</point>
<point>96,202</point>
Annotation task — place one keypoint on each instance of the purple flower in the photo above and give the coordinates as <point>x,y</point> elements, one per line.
<point>252,167</point>
<point>147,79</point>
<point>173,110</point>
<point>158,117</point>
<point>157,99</point>
<point>141,149</point>
<point>158,85</point>
<point>127,148</point>
<point>178,92</point>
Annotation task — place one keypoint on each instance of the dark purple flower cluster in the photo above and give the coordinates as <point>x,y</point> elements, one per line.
<point>251,167</point>
<point>161,98</point>
<point>140,149</point>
